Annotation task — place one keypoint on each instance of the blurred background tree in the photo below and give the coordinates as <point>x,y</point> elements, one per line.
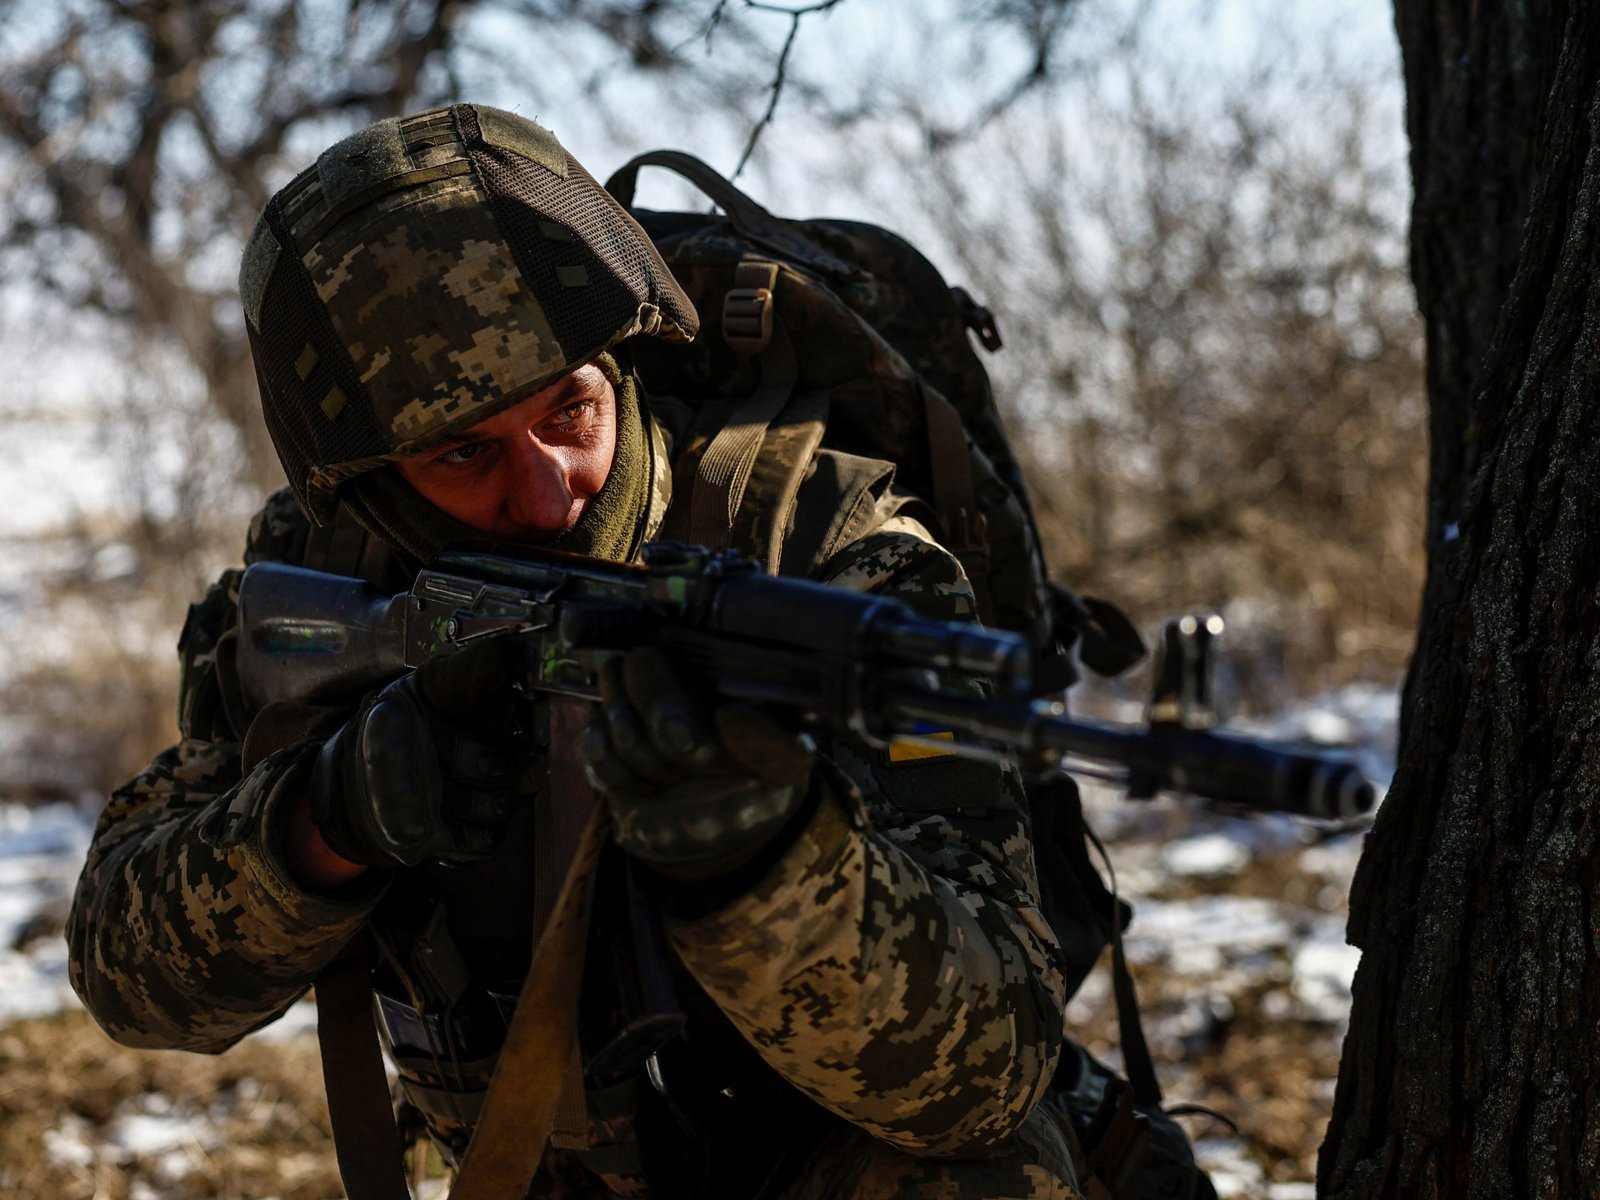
<point>1212,360</point>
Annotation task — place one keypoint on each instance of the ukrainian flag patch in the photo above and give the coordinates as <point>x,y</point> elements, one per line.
<point>902,750</point>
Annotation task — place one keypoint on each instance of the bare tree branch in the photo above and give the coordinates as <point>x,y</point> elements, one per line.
<point>775,88</point>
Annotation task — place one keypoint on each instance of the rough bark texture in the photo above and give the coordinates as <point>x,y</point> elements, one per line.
<point>1472,1066</point>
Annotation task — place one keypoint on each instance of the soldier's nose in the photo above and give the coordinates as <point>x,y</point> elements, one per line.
<point>539,493</point>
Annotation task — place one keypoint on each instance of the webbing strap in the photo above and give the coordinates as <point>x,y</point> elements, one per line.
<point>965,531</point>
<point>1136,1059</point>
<point>725,467</point>
<point>533,1069</point>
<point>568,799</point>
<point>365,1139</point>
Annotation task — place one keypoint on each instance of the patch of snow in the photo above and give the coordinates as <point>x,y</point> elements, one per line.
<point>34,983</point>
<point>299,1022</point>
<point>41,851</point>
<point>1209,854</point>
<point>70,1143</point>
<point>1324,970</point>
<point>1329,727</point>
<point>1335,858</point>
<point>150,1128</point>
<point>1235,924</point>
<point>1233,1173</point>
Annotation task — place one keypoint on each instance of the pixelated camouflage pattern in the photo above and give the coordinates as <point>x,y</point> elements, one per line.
<point>922,1001</point>
<point>176,944</point>
<point>894,557</point>
<point>405,251</point>
<point>433,262</point>
<point>1040,1162</point>
<point>893,965</point>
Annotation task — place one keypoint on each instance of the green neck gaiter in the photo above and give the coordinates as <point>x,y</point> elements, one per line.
<point>612,526</point>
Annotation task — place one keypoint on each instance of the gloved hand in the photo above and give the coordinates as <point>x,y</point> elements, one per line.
<point>425,769</point>
<point>695,792</point>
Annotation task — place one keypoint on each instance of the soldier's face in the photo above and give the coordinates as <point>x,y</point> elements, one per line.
<point>528,471</point>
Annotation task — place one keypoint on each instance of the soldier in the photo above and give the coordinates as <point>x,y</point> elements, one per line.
<point>440,313</point>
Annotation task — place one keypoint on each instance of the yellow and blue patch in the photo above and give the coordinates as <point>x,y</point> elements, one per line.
<point>905,750</point>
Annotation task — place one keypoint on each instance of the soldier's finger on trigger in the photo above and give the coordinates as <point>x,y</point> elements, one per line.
<point>678,723</point>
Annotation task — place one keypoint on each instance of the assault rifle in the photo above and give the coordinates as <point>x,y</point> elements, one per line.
<point>832,658</point>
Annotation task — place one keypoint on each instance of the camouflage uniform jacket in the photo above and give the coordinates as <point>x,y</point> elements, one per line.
<point>892,964</point>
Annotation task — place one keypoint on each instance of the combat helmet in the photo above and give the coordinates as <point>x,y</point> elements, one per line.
<point>427,272</point>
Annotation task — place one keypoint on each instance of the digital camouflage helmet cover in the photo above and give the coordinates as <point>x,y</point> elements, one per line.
<point>428,272</point>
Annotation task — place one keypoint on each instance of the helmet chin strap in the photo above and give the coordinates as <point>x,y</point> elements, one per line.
<point>611,527</point>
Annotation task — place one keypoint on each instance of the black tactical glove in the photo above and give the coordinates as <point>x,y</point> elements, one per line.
<point>696,793</point>
<point>425,769</point>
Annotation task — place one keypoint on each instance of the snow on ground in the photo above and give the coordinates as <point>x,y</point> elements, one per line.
<point>1289,947</point>
<point>41,850</point>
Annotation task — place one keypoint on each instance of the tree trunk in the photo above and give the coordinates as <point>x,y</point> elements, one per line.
<point>1472,1068</point>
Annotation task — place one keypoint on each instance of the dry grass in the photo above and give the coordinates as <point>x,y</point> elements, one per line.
<point>258,1120</point>
<point>1271,1075</point>
<point>72,1105</point>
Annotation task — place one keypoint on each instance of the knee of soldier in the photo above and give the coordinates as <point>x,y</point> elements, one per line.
<point>1038,1162</point>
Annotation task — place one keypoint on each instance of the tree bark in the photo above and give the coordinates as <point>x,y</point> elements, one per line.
<point>1472,1065</point>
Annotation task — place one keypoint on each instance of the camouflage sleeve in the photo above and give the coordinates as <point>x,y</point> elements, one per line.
<point>895,964</point>
<point>173,941</point>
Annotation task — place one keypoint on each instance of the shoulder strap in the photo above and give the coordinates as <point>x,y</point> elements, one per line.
<point>725,467</point>
<point>964,530</point>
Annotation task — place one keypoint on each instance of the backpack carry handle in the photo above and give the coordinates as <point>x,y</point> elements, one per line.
<point>746,216</point>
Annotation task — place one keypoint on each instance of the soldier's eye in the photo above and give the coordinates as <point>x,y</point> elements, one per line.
<point>571,415</point>
<point>463,453</point>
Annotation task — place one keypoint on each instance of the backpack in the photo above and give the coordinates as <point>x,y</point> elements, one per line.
<point>833,356</point>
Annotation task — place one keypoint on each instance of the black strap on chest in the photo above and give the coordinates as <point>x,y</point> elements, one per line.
<point>366,1141</point>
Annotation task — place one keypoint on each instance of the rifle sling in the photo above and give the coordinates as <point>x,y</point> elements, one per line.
<point>365,1140</point>
<point>533,1069</point>
<point>535,1073</point>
